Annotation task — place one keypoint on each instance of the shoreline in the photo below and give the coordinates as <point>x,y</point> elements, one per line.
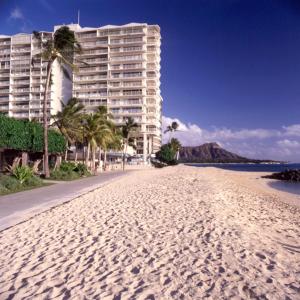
<point>171,233</point>
<point>255,180</point>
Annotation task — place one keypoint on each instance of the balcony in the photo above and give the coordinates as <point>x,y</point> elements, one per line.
<point>4,43</point>
<point>4,107</point>
<point>91,70</point>
<point>126,58</point>
<point>93,44</point>
<point>21,82</point>
<point>90,95</point>
<point>4,91</point>
<point>21,99</point>
<point>94,60</point>
<point>20,91</point>
<point>90,78</point>
<point>21,115</point>
<point>20,107</point>
<point>132,93</point>
<point>4,83</point>
<point>92,52</point>
<point>127,75</point>
<point>21,50</point>
<point>125,102</point>
<point>20,74</point>
<point>90,86</point>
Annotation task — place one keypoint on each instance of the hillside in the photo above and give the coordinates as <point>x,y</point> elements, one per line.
<point>211,153</point>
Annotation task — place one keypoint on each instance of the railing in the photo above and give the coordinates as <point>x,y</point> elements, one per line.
<point>21,82</point>
<point>90,77</point>
<point>131,84</point>
<point>4,91</point>
<point>20,90</point>
<point>4,43</point>
<point>4,107</point>
<point>95,86</point>
<point>126,58</point>
<point>18,50</point>
<point>87,70</point>
<point>132,93</point>
<point>4,83</point>
<point>14,107</point>
<point>87,95</point>
<point>91,45</point>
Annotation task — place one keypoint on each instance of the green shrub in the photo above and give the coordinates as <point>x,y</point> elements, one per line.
<point>33,181</point>
<point>11,183</point>
<point>28,136</point>
<point>67,166</point>
<point>3,190</point>
<point>167,154</point>
<point>64,175</point>
<point>82,170</point>
<point>22,173</point>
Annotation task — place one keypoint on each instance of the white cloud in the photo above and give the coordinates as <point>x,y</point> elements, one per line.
<point>253,143</point>
<point>288,143</point>
<point>16,13</point>
<point>293,130</point>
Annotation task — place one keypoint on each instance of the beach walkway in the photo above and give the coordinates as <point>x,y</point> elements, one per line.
<point>17,207</point>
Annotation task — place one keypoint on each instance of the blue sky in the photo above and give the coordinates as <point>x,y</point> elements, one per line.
<point>230,68</point>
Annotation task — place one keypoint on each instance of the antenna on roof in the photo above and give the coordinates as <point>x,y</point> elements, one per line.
<point>78,17</point>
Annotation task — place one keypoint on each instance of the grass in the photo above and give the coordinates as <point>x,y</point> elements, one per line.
<point>25,188</point>
<point>10,184</point>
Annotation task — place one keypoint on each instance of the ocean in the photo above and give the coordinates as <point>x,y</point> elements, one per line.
<point>290,187</point>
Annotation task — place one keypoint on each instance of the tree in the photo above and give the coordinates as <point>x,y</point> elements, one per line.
<point>175,145</point>
<point>68,121</point>
<point>106,135</point>
<point>94,129</point>
<point>127,140</point>
<point>61,48</point>
<point>172,128</point>
<point>167,154</point>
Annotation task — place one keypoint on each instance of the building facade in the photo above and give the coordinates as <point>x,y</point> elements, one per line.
<point>118,68</point>
<point>22,82</point>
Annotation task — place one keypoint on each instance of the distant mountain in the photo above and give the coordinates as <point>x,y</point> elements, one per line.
<point>212,153</point>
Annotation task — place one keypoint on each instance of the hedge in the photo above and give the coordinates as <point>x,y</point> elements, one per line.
<point>28,136</point>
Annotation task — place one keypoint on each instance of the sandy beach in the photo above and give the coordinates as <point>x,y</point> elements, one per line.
<point>174,233</point>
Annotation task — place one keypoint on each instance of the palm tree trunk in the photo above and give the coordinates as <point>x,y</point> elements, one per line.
<point>125,151</point>
<point>66,152</point>
<point>76,154</point>
<point>104,160</point>
<point>87,154</point>
<point>99,158</point>
<point>45,121</point>
<point>93,166</point>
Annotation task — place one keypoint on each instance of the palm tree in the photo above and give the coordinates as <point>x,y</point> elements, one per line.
<point>172,128</point>
<point>95,130</point>
<point>175,145</point>
<point>127,130</point>
<point>105,136</point>
<point>61,48</point>
<point>68,121</point>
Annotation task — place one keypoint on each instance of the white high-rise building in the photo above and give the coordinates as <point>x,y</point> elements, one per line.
<point>118,68</point>
<point>22,82</point>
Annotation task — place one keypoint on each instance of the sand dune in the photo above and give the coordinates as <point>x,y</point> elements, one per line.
<point>176,233</point>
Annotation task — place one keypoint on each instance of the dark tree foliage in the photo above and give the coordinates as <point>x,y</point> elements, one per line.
<point>28,136</point>
<point>167,154</point>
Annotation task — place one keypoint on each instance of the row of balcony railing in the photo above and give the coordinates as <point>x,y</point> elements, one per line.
<point>132,110</point>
